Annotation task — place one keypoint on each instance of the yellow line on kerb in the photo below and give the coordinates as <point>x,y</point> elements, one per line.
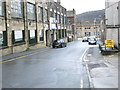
<point>23,56</point>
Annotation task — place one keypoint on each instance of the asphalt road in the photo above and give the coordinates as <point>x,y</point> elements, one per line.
<point>52,68</point>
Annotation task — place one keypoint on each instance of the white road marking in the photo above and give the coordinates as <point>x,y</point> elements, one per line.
<point>81,84</point>
<point>84,54</point>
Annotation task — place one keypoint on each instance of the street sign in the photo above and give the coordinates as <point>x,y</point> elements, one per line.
<point>109,43</point>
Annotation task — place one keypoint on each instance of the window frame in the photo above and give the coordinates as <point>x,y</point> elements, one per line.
<point>32,40</point>
<point>41,36</point>
<point>2,8</point>
<point>4,40</point>
<point>29,13</point>
<point>40,14</point>
<point>46,15</point>
<point>17,10</point>
<point>13,37</point>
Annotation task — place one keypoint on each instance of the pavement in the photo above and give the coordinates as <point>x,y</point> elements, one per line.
<point>102,70</point>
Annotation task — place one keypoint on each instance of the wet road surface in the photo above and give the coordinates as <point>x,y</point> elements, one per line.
<point>55,68</point>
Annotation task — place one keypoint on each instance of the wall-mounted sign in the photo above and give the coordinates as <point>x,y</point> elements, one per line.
<point>109,43</point>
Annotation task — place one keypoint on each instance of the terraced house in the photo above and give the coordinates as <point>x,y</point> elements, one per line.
<point>30,24</point>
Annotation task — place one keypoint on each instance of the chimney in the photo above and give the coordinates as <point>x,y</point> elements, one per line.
<point>58,1</point>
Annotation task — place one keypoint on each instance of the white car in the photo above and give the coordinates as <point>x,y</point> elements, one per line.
<point>92,41</point>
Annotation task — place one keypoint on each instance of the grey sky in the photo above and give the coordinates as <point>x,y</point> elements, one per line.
<point>83,5</point>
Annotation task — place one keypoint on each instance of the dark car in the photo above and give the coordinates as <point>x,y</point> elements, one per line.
<point>59,43</point>
<point>84,39</point>
<point>92,41</point>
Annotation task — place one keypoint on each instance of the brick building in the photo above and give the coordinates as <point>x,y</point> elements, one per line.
<point>26,24</point>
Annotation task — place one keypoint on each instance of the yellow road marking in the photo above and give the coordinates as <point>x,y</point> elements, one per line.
<point>22,56</point>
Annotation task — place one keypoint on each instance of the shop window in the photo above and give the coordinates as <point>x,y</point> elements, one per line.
<point>32,36</point>
<point>3,38</point>
<point>16,9</point>
<point>18,36</point>
<point>30,11</point>
<point>41,33</point>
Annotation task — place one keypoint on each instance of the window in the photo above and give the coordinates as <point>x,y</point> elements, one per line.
<point>3,38</point>
<point>46,15</point>
<point>96,33</point>
<point>59,33</point>
<point>58,18</point>
<point>87,33</point>
<point>63,33</point>
<point>30,11</point>
<point>32,36</point>
<point>40,14</point>
<point>55,16</point>
<point>16,9</point>
<point>1,8</point>
<point>95,27</point>
<point>62,19</point>
<point>41,33</point>
<point>18,36</point>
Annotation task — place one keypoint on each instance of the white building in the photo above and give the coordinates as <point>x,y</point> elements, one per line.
<point>112,13</point>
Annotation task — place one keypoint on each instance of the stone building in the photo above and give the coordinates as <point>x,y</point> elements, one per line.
<point>25,24</point>
<point>87,30</point>
<point>112,15</point>
<point>71,25</point>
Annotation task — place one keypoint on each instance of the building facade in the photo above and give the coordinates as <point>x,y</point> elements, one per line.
<point>26,24</point>
<point>112,14</point>
<point>71,25</point>
<point>87,30</point>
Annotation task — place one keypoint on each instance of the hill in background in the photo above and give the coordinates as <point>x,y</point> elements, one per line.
<point>90,16</point>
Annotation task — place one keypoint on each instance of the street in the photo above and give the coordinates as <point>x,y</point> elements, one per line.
<point>52,68</point>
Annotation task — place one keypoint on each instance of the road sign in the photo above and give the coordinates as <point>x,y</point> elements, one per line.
<point>109,43</point>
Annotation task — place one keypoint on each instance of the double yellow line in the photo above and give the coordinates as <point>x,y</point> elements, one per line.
<point>19,57</point>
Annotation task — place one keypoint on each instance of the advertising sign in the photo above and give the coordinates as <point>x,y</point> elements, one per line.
<point>52,24</point>
<point>32,34</point>
<point>18,35</point>
<point>109,43</point>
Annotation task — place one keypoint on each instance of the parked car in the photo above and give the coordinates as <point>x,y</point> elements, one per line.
<point>59,43</point>
<point>84,39</point>
<point>92,41</point>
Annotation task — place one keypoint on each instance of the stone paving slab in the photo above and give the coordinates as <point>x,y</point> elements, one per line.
<point>103,69</point>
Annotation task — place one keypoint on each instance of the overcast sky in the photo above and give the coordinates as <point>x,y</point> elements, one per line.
<point>83,5</point>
